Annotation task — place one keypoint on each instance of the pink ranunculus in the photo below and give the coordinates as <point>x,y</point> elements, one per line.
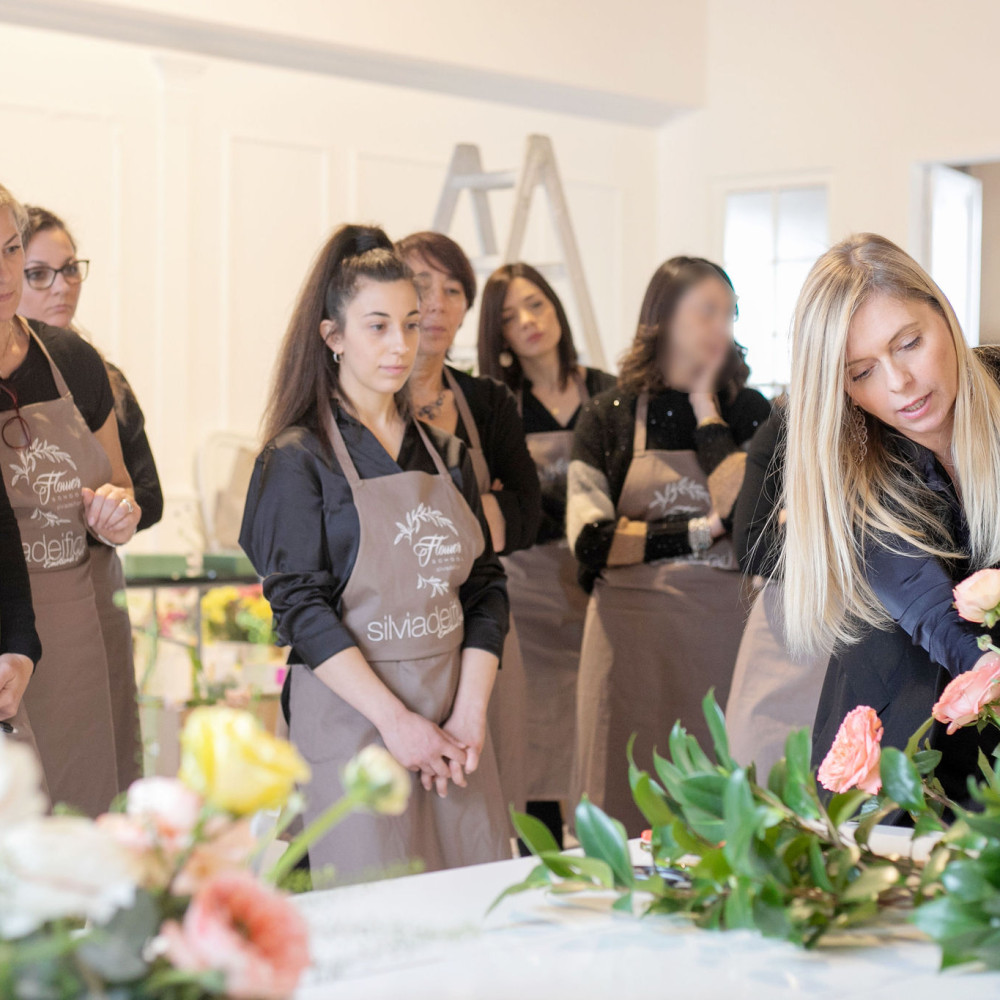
<point>963,700</point>
<point>977,597</point>
<point>167,808</point>
<point>252,934</point>
<point>853,760</point>
<point>226,847</point>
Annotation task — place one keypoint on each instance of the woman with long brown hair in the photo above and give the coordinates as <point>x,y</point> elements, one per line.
<point>369,534</point>
<point>656,468</point>
<point>525,341</point>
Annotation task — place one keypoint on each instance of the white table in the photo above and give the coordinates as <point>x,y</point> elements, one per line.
<point>428,936</point>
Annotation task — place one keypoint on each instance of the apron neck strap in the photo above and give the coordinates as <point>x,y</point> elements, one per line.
<point>435,454</point>
<point>340,450</point>
<point>57,376</point>
<point>641,412</point>
<point>463,408</point>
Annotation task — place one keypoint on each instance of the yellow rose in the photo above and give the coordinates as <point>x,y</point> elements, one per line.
<point>229,759</point>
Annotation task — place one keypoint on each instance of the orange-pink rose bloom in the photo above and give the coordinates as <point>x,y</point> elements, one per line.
<point>968,694</point>
<point>853,759</point>
<point>977,596</point>
<point>252,934</point>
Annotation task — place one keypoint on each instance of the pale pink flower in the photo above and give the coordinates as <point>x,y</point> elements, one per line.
<point>853,760</point>
<point>253,935</point>
<point>963,700</point>
<point>227,847</point>
<point>977,597</point>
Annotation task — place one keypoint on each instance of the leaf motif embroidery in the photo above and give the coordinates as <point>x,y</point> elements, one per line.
<point>48,518</point>
<point>422,515</point>
<point>665,500</point>
<point>437,585</point>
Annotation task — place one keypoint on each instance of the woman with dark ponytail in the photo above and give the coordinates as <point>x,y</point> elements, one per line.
<point>368,531</point>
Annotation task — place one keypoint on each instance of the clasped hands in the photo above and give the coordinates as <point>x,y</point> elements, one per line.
<point>439,754</point>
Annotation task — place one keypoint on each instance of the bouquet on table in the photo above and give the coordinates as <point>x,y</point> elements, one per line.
<point>158,900</point>
<point>731,849</point>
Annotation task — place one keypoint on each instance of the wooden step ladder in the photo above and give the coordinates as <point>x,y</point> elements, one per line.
<point>466,173</point>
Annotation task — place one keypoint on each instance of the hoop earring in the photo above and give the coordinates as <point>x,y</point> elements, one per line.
<point>336,357</point>
<point>859,433</point>
<point>506,359</point>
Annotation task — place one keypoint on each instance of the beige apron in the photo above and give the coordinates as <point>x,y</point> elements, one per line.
<point>401,606</point>
<point>508,705</point>
<point>109,580</point>
<point>657,635</point>
<point>550,605</point>
<point>68,699</point>
<point>771,693</point>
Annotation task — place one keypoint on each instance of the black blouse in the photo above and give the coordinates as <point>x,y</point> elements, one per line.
<point>17,615</point>
<point>538,420</point>
<point>757,535</point>
<point>602,453</point>
<point>301,532</point>
<point>501,433</point>
<point>138,455</point>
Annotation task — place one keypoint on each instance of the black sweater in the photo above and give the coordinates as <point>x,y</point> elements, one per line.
<point>17,616</point>
<point>603,446</point>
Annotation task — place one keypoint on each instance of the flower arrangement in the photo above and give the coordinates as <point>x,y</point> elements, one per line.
<point>237,614</point>
<point>157,900</point>
<point>731,849</point>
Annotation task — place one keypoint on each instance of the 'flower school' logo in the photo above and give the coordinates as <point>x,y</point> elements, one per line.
<point>434,549</point>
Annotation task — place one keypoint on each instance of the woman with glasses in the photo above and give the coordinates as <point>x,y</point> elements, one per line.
<point>53,274</point>
<point>62,465</point>
<point>655,471</point>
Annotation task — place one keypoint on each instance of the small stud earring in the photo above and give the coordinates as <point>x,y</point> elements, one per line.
<point>506,359</point>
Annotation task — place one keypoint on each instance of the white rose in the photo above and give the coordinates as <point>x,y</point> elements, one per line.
<point>167,807</point>
<point>20,783</point>
<point>54,867</point>
<point>379,780</point>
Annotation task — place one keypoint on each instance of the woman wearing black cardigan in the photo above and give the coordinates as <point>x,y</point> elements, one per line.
<point>483,413</point>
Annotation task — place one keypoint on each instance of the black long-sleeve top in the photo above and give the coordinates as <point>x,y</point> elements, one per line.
<point>538,420</point>
<point>501,433</point>
<point>17,615</point>
<point>757,536</point>
<point>138,455</point>
<point>301,531</point>
<point>602,453</point>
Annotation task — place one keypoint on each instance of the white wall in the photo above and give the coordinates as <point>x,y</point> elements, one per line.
<point>202,187</point>
<point>855,93</point>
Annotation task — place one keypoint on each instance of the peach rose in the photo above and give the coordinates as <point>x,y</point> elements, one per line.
<point>251,934</point>
<point>977,597</point>
<point>963,700</point>
<point>853,760</point>
<point>227,847</point>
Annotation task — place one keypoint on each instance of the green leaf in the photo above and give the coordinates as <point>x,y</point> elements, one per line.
<point>799,793</point>
<point>935,865</point>
<point>624,904</point>
<point>965,881</point>
<point>114,950</point>
<point>926,760</point>
<point>988,772</point>
<point>843,806</point>
<point>900,780</point>
<point>539,878</point>
<point>871,883</point>
<point>913,743</point>
<point>817,866</point>
<point>717,727</point>
<point>595,869</point>
<point>946,918</point>
<point>605,838</point>
<point>536,835</point>
<point>651,800</point>
<point>927,823</point>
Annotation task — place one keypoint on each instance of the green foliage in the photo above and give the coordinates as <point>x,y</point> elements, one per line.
<point>777,857</point>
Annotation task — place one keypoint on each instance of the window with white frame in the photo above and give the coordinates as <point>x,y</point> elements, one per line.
<point>772,238</point>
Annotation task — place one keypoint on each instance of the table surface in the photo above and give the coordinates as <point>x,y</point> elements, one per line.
<point>429,936</point>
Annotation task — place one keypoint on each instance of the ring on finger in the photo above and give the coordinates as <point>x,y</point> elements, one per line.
<point>128,503</point>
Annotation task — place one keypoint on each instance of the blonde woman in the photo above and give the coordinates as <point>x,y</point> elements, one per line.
<point>892,473</point>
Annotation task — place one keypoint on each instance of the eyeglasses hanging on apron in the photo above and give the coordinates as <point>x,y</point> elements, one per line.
<point>401,605</point>
<point>657,635</point>
<point>508,704</point>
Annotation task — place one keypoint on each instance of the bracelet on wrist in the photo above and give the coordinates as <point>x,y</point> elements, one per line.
<point>699,535</point>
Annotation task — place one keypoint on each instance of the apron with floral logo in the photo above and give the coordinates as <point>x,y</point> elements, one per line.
<point>68,699</point>
<point>418,541</point>
<point>657,635</point>
<point>509,704</point>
